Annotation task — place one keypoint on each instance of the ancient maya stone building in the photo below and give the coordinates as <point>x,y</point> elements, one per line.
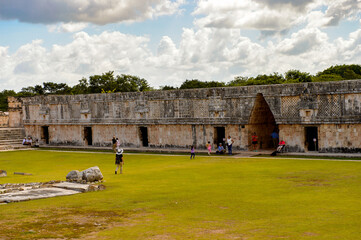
<point>324,117</point>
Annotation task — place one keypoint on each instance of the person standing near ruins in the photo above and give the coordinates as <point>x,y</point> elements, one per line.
<point>193,152</point>
<point>275,137</point>
<point>254,141</point>
<point>119,161</point>
<point>229,144</point>
<point>114,144</point>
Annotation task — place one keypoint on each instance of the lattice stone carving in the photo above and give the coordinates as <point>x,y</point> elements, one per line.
<point>235,111</point>
<point>201,109</point>
<point>185,109</point>
<point>154,109</point>
<point>329,105</point>
<point>290,107</point>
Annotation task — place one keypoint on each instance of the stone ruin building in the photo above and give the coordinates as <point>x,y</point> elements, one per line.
<point>324,117</point>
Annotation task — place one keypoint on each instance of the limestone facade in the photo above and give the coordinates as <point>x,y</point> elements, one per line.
<point>4,119</point>
<point>323,117</point>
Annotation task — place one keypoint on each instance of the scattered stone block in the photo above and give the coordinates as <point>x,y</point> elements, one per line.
<point>73,186</point>
<point>3,173</point>
<point>35,194</point>
<point>74,175</point>
<point>92,174</point>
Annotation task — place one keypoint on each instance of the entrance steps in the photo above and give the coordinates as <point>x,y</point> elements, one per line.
<point>12,138</point>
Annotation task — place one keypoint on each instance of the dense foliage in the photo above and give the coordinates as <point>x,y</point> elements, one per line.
<point>108,83</point>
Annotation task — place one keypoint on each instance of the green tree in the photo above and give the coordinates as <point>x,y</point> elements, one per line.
<point>327,78</point>
<point>347,72</point>
<point>129,83</point>
<point>166,87</point>
<point>238,81</point>
<point>195,83</point>
<point>56,88</point>
<point>105,82</point>
<point>296,76</point>
<point>81,88</point>
<point>4,99</point>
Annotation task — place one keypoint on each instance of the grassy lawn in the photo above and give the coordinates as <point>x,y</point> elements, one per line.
<point>172,197</point>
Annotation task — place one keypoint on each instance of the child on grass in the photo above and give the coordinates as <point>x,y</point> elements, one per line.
<point>209,148</point>
<point>192,152</point>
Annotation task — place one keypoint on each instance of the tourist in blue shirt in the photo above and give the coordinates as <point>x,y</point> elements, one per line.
<point>274,136</point>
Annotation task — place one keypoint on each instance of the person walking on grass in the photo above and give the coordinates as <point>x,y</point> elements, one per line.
<point>209,148</point>
<point>119,162</point>
<point>193,153</point>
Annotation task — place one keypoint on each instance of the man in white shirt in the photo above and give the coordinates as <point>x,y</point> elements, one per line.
<point>229,144</point>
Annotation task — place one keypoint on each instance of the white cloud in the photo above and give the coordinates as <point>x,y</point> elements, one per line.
<point>92,11</point>
<point>205,54</point>
<point>67,27</point>
<point>274,16</point>
<point>302,42</point>
<point>342,9</point>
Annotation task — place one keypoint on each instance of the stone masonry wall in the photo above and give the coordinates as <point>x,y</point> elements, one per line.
<point>4,119</point>
<point>181,118</point>
<point>15,112</point>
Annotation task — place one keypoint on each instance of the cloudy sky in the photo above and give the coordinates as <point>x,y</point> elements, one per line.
<point>169,41</point>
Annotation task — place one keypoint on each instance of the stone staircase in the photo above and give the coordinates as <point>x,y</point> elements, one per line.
<point>11,138</point>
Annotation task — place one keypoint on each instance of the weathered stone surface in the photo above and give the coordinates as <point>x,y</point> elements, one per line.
<point>74,175</point>
<point>92,174</point>
<point>73,186</point>
<point>29,191</point>
<point>35,194</point>
<point>3,173</point>
<point>181,118</point>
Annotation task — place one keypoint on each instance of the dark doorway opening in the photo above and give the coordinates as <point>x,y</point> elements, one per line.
<point>219,135</point>
<point>45,134</point>
<point>88,136</point>
<point>144,136</point>
<point>311,138</point>
<point>262,122</point>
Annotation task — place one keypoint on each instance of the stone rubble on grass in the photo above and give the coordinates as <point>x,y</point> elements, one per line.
<point>92,174</point>
<point>77,182</point>
<point>74,175</point>
<point>29,191</point>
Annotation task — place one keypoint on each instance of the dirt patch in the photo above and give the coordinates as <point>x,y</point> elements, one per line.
<point>60,224</point>
<point>306,180</point>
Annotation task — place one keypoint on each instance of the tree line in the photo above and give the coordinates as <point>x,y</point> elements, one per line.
<point>108,83</point>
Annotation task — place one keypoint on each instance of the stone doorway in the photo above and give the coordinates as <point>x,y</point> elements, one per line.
<point>219,136</point>
<point>311,136</point>
<point>45,134</point>
<point>144,136</point>
<point>262,122</point>
<point>88,136</point>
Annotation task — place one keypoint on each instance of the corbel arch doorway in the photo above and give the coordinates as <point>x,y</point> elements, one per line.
<point>262,122</point>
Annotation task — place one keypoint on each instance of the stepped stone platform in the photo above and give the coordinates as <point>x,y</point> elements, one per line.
<point>12,138</point>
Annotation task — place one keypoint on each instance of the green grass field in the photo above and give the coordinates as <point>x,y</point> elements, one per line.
<point>172,197</point>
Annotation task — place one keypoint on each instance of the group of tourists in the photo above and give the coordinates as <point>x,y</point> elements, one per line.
<point>29,142</point>
<point>220,149</point>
